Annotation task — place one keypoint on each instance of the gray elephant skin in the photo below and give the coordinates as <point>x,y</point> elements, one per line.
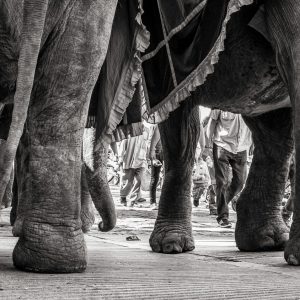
<point>69,50</point>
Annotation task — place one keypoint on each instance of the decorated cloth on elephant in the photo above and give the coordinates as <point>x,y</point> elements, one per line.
<point>186,40</point>
<point>183,49</point>
<point>231,142</point>
<point>115,108</point>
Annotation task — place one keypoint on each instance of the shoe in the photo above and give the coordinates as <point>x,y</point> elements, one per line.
<point>196,203</point>
<point>153,206</point>
<point>140,200</point>
<point>123,201</point>
<point>224,223</point>
<point>133,203</point>
<point>156,163</point>
<point>213,212</point>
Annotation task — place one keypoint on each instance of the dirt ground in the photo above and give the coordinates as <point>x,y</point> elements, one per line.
<point>122,269</point>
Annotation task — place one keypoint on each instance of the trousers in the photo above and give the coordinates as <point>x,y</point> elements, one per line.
<point>226,190</point>
<point>131,183</point>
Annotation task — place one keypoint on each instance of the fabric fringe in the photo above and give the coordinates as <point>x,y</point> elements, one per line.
<point>124,131</point>
<point>196,78</point>
<point>133,75</point>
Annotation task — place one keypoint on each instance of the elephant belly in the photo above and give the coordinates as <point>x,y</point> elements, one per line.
<point>246,79</point>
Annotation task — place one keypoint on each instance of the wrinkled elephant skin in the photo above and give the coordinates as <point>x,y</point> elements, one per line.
<point>73,48</point>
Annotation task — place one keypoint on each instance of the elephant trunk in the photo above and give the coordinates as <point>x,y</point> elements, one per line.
<point>33,25</point>
<point>95,159</point>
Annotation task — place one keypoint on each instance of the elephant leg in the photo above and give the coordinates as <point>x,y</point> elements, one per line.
<point>87,213</point>
<point>179,135</point>
<point>259,222</point>
<point>95,158</point>
<point>283,21</point>
<point>51,239</point>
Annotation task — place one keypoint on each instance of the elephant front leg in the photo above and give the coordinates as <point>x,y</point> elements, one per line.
<point>51,238</point>
<point>259,222</point>
<point>173,227</point>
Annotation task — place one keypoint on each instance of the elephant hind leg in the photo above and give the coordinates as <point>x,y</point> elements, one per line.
<point>283,21</point>
<point>173,227</point>
<point>259,222</point>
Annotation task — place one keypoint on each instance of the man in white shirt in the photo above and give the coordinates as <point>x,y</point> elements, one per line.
<point>231,141</point>
<point>133,157</point>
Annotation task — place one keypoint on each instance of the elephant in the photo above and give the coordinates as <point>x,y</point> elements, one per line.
<point>64,43</point>
<point>47,48</point>
<point>258,78</point>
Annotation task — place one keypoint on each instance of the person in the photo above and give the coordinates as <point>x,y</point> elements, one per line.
<point>133,160</point>
<point>156,158</point>
<point>231,140</point>
<point>208,158</point>
<point>200,176</point>
<point>211,190</point>
<point>288,208</point>
<point>200,179</point>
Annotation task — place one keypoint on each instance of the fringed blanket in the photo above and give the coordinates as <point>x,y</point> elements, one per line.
<point>186,37</point>
<point>115,109</point>
<point>184,48</point>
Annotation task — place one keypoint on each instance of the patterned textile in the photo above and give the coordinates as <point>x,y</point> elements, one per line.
<point>115,100</point>
<point>186,39</point>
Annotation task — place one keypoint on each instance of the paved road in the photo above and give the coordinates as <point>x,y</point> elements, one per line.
<point>119,269</point>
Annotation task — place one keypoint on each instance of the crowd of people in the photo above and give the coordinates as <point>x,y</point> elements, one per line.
<point>220,168</point>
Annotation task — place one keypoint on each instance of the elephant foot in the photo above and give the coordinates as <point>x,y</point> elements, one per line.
<point>261,234</point>
<point>171,239</point>
<point>47,248</point>
<point>87,219</point>
<point>292,249</point>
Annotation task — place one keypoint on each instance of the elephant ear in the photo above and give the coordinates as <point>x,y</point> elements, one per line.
<point>33,26</point>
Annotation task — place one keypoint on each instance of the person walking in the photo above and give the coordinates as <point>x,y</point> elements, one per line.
<point>231,140</point>
<point>156,157</point>
<point>133,160</point>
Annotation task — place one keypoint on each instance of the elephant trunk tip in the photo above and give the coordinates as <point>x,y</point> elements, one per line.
<point>107,226</point>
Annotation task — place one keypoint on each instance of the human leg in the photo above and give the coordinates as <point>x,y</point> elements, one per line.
<point>127,179</point>
<point>155,172</point>
<point>212,199</point>
<point>196,193</point>
<point>136,189</point>
<point>238,164</point>
<point>221,165</point>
